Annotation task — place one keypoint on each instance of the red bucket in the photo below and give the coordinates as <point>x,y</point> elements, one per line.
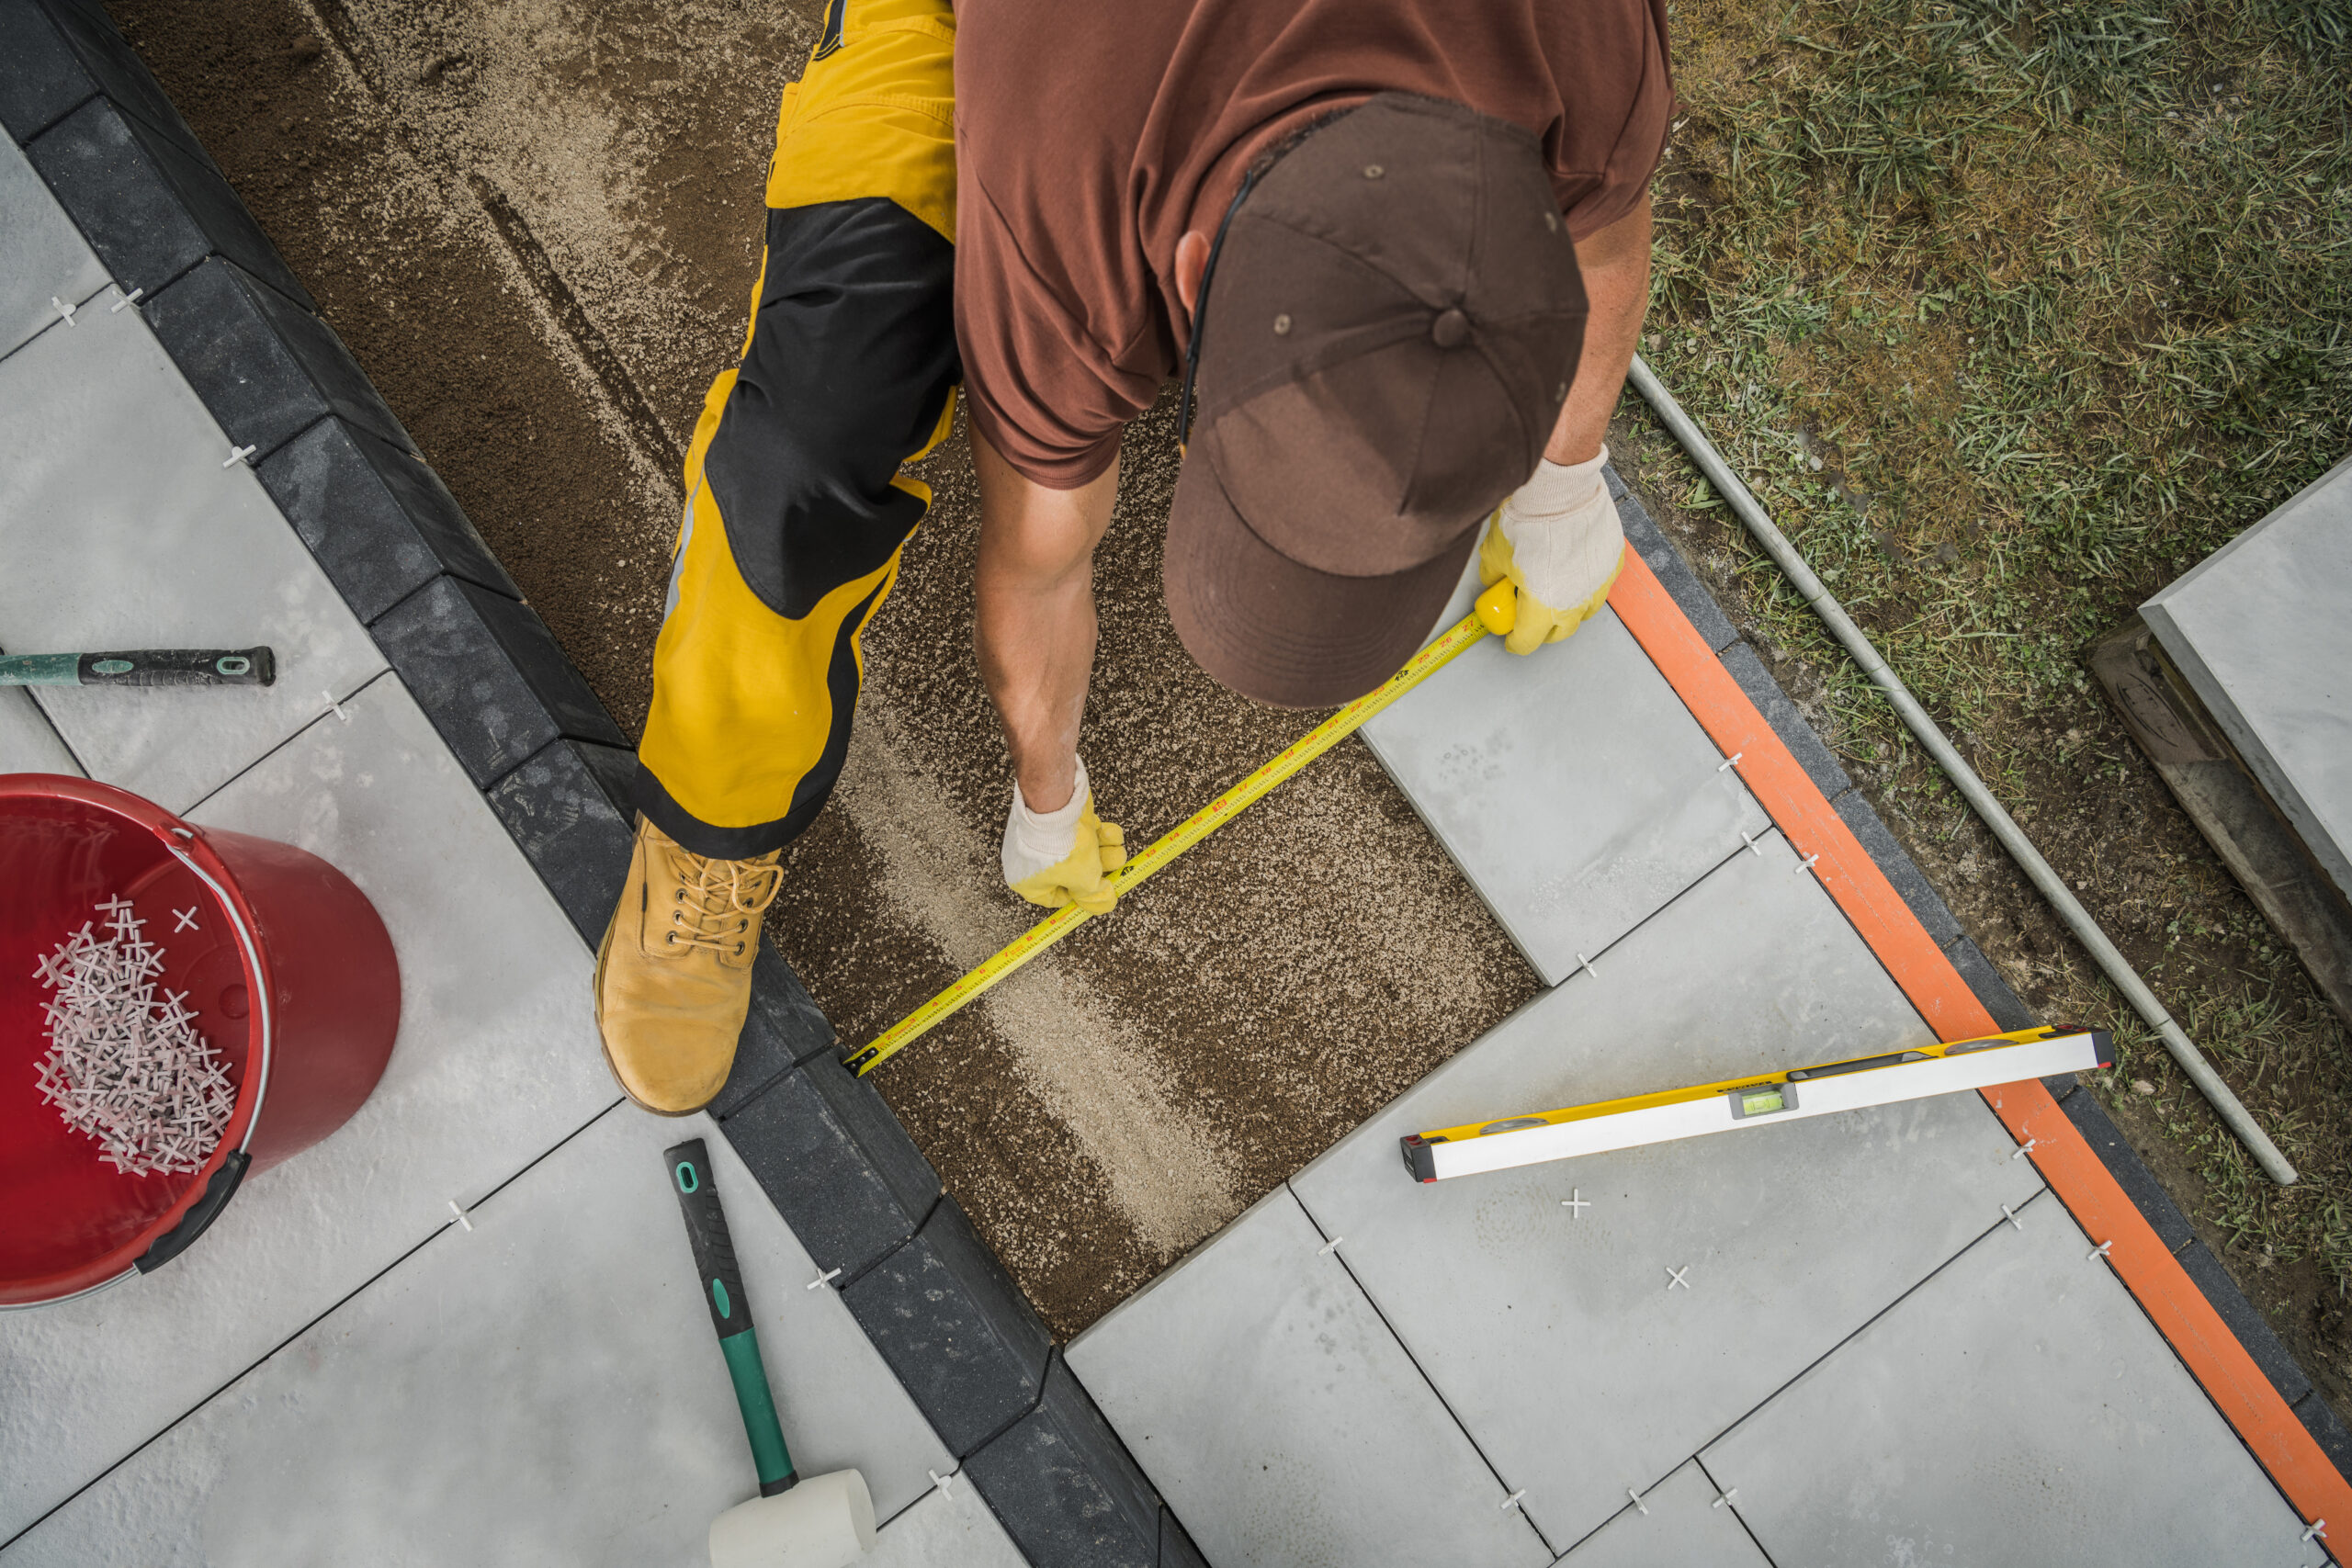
<point>288,971</point>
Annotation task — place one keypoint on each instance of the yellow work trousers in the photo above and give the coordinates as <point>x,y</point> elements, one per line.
<point>796,507</point>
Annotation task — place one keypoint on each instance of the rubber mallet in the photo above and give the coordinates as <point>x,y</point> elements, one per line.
<point>824,1521</point>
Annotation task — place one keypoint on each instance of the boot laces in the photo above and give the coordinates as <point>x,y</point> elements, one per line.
<point>715,902</point>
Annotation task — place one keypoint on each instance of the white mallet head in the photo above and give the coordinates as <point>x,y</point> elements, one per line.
<point>826,1521</point>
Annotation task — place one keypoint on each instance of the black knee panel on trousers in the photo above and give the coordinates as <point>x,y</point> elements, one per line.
<point>852,358</point>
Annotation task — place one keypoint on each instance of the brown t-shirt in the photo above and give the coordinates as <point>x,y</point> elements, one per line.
<point>1091,134</point>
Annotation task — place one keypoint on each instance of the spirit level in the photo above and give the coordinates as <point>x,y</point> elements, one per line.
<point>1734,1103</point>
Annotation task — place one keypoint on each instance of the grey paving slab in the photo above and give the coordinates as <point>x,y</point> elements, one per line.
<point>2258,628</point>
<point>1680,1523</point>
<point>950,1529</point>
<point>497,1063</point>
<point>1282,1420</point>
<point>29,742</point>
<point>544,1388</point>
<point>1572,786</point>
<point>122,529</point>
<point>2018,1408</point>
<point>1520,1308</point>
<point>42,255</point>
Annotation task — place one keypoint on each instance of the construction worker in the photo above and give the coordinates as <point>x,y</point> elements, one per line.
<point>1398,252</point>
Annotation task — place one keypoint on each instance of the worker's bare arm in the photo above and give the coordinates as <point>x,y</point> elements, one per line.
<point>1034,589</point>
<point>1615,261</point>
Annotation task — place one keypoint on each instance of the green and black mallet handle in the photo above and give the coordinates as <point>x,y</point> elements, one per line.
<point>144,667</point>
<point>730,1314</point>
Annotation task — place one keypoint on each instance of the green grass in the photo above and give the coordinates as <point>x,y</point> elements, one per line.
<point>2010,313</point>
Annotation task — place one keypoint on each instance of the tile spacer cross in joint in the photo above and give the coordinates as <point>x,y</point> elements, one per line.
<point>463,1218</point>
<point>1674,1276</point>
<point>822,1278</point>
<point>1724,1498</point>
<point>129,299</point>
<point>1636,1497</point>
<point>1329,1247</point>
<point>237,455</point>
<point>1512,1501</point>
<point>65,309</point>
<point>1575,1202</point>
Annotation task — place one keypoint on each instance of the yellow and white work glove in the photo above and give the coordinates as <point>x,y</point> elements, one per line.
<point>1054,858</point>
<point>1557,542</point>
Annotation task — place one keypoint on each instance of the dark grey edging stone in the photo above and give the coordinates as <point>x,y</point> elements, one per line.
<point>836,1164</point>
<point>488,674</point>
<point>1068,1493</point>
<point>59,55</point>
<point>267,369</point>
<point>954,1326</point>
<point>151,208</point>
<point>380,521</point>
<point>567,809</point>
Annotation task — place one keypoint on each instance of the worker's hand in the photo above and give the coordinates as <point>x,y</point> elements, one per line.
<point>1054,858</point>
<point>1555,541</point>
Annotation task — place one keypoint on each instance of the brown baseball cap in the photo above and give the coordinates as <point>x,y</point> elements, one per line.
<point>1386,337</point>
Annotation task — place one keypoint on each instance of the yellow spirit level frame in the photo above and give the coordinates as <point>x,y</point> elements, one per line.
<point>1732,1103</point>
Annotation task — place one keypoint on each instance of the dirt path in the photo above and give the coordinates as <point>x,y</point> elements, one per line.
<point>536,223</point>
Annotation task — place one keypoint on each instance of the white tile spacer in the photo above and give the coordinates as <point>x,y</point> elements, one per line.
<point>943,1482</point>
<point>1806,864</point>
<point>2318,1527</point>
<point>129,298</point>
<point>1750,840</point>
<point>1724,1498</point>
<point>187,919</point>
<point>1329,1247</point>
<point>1508,1504</point>
<point>1575,1202</point>
<point>2010,1214</point>
<point>822,1278</point>
<point>336,707</point>
<point>1636,1497</point>
<point>2099,1252</point>
<point>1585,964</point>
<point>2026,1149</point>
<point>238,455</point>
<point>1730,761</point>
<point>1674,1276</point>
<point>461,1214</point>
<point>65,309</point>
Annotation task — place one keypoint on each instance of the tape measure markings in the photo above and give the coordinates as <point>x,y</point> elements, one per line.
<point>1457,639</point>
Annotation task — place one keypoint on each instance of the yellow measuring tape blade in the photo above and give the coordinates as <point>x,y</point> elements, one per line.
<point>1194,829</point>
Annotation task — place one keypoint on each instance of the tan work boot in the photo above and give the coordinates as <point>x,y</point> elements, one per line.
<point>673,975</point>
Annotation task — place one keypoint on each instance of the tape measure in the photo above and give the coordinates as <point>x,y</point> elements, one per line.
<point>1493,607</point>
<point>1734,1103</point>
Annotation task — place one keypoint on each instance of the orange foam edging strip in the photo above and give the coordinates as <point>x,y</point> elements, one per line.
<point>2229,1376</point>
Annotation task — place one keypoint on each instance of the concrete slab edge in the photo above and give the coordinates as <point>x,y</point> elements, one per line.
<point>828,1150</point>
<point>2195,1264</point>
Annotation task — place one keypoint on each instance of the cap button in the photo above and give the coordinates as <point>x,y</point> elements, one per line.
<point>1451,329</point>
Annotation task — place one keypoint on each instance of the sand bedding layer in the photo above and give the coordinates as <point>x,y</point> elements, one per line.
<point>536,224</point>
